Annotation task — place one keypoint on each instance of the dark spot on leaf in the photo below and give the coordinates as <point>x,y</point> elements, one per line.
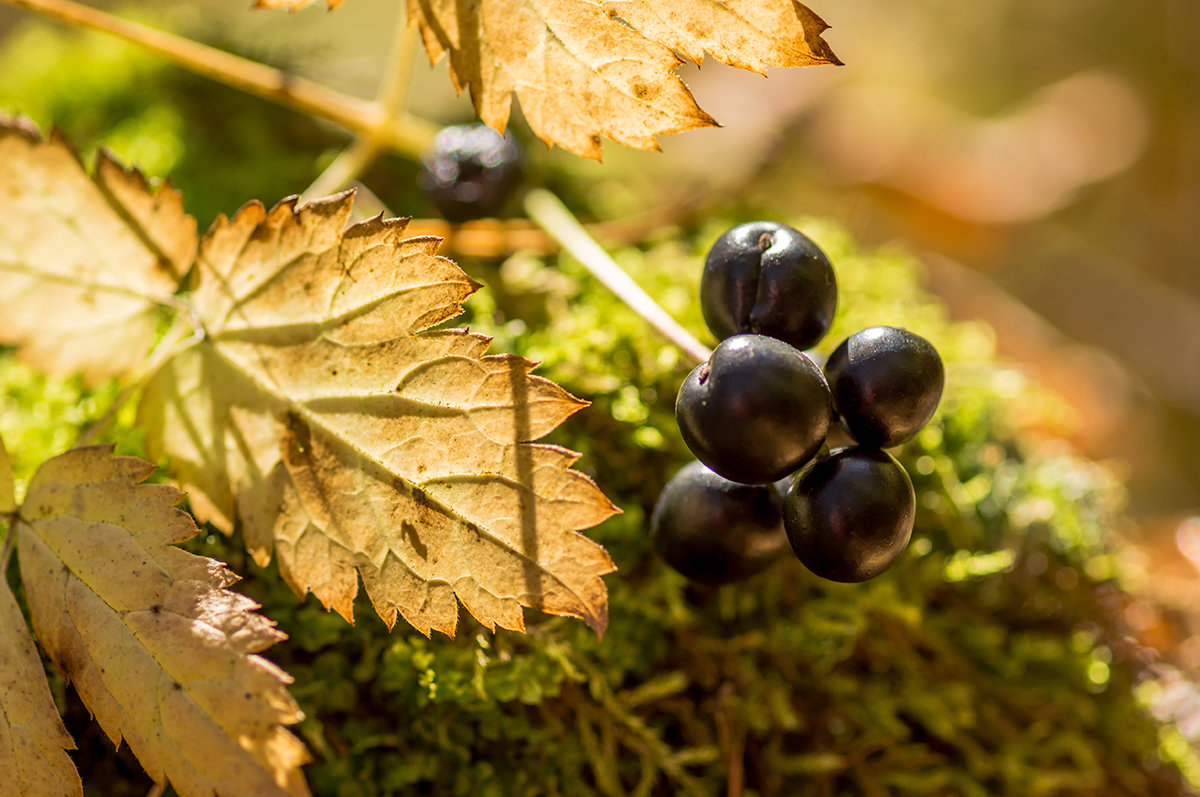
<point>410,533</point>
<point>301,435</point>
<point>156,608</point>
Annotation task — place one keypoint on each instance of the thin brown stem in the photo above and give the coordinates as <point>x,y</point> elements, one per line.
<point>397,85</point>
<point>407,134</point>
<point>345,168</point>
<point>390,101</point>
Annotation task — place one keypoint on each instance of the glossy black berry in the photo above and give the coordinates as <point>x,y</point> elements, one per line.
<point>757,410</point>
<point>470,171</point>
<point>767,278</point>
<point>850,515</point>
<point>886,383</point>
<point>717,531</point>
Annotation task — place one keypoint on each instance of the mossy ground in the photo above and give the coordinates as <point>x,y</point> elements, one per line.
<point>990,660</point>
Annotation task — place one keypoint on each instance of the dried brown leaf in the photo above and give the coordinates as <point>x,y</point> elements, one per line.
<point>579,72</point>
<point>586,69</point>
<point>84,260</point>
<point>33,741</point>
<point>747,34</point>
<point>158,650</point>
<point>349,439</point>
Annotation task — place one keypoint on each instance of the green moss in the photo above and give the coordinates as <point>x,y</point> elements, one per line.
<point>985,662</point>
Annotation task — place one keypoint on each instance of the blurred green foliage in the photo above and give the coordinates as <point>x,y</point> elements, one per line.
<point>989,661</point>
<point>219,146</point>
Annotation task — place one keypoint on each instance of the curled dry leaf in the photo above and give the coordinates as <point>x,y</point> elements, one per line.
<point>158,650</point>
<point>84,259</point>
<point>348,438</point>
<point>584,69</point>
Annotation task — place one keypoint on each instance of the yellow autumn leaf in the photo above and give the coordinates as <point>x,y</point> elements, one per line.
<point>586,69</point>
<point>33,741</point>
<point>160,652</point>
<point>84,259</point>
<point>349,439</point>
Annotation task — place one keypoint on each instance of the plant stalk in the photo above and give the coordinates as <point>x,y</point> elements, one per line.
<point>391,100</point>
<point>553,216</point>
<point>406,134</point>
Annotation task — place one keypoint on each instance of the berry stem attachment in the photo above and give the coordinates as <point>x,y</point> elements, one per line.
<point>553,216</point>
<point>407,134</point>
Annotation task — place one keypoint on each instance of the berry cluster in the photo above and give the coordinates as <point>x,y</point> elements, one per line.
<point>758,412</point>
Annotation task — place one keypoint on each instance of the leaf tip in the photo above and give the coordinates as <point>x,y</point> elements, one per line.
<point>332,200</point>
<point>815,27</point>
<point>598,621</point>
<point>23,126</point>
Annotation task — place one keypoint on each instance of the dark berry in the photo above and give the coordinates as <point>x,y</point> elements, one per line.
<point>756,411</point>
<point>768,279</point>
<point>886,383</point>
<point>717,531</point>
<point>470,171</point>
<point>850,515</point>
